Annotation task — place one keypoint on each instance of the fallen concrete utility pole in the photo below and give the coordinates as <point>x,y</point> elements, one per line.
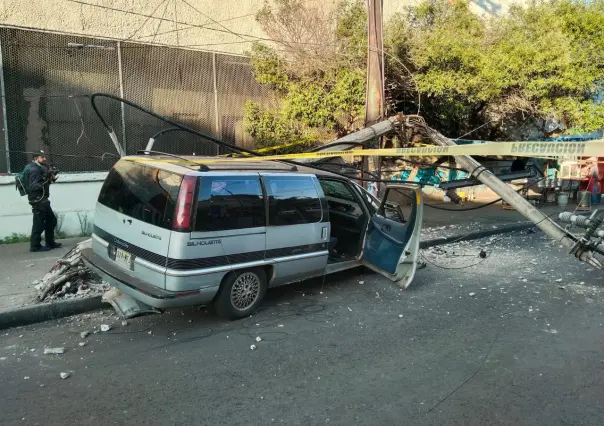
<point>360,136</point>
<point>518,202</point>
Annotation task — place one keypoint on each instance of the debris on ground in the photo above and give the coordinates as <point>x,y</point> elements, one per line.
<point>69,278</point>
<point>82,344</point>
<point>126,306</point>
<point>54,351</point>
<point>105,327</point>
<point>65,375</point>
<point>124,323</point>
<point>258,339</point>
<point>84,334</point>
<point>472,294</point>
<point>253,347</point>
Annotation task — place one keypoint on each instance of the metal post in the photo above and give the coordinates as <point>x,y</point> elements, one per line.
<point>4,117</point>
<point>121,78</point>
<point>217,117</point>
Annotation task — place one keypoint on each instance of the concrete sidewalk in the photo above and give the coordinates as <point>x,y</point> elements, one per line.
<point>20,268</point>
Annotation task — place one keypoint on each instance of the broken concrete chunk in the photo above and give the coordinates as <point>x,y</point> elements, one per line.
<point>54,351</point>
<point>253,347</point>
<point>82,344</point>
<point>64,375</point>
<point>124,323</point>
<point>559,280</point>
<point>105,327</point>
<point>258,339</point>
<point>472,294</point>
<point>84,334</point>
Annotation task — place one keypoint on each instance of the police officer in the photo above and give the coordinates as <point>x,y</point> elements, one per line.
<point>39,178</point>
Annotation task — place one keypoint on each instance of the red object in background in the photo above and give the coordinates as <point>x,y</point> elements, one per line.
<point>588,182</point>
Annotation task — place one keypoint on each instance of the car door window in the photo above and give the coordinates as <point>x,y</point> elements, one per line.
<point>229,203</point>
<point>292,201</point>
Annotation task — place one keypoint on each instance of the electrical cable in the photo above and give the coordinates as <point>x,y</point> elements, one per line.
<point>228,146</point>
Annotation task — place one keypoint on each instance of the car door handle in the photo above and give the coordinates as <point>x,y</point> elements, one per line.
<point>386,228</point>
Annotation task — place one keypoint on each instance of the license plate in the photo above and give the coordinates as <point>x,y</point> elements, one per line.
<point>124,259</point>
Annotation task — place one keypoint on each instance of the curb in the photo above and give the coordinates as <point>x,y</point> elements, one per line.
<point>475,235</point>
<point>64,308</point>
<point>48,311</point>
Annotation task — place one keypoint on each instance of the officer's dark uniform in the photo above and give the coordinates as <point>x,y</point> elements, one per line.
<point>38,187</point>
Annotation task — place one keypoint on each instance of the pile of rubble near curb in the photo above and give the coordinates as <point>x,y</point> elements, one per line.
<point>69,278</point>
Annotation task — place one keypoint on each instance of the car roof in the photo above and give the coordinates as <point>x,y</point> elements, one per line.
<point>187,164</point>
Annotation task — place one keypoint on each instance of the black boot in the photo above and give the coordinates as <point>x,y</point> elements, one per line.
<point>39,248</point>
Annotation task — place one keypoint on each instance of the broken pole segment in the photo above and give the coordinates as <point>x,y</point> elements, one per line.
<point>511,197</point>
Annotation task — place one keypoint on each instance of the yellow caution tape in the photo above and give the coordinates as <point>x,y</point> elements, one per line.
<point>271,148</point>
<point>512,149</point>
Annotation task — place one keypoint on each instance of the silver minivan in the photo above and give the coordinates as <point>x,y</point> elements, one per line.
<point>174,232</point>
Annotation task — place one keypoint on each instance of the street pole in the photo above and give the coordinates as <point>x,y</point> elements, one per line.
<point>516,200</point>
<point>374,98</point>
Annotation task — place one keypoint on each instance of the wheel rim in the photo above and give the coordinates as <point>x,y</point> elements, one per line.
<point>245,291</point>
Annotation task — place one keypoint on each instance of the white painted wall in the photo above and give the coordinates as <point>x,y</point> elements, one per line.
<point>217,25</point>
<point>71,195</point>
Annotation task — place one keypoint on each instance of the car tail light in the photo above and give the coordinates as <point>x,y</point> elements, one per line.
<point>184,204</point>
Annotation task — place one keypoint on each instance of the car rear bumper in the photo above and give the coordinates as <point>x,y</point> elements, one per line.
<point>143,291</point>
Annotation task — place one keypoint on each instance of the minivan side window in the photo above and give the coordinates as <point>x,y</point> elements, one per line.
<point>292,201</point>
<point>229,202</point>
<point>142,192</point>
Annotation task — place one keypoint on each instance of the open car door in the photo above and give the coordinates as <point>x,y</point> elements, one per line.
<point>391,244</point>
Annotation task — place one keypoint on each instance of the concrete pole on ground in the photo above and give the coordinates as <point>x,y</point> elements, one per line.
<point>514,199</point>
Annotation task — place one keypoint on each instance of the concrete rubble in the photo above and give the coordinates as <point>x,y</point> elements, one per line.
<point>69,278</point>
<point>54,351</point>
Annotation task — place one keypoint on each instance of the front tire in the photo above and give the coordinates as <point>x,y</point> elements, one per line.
<point>240,294</point>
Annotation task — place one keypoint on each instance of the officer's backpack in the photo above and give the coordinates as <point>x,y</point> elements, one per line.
<point>21,181</point>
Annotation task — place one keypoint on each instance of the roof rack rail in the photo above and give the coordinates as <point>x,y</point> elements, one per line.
<point>202,167</point>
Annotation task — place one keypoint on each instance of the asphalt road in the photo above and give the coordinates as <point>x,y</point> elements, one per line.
<point>520,350</point>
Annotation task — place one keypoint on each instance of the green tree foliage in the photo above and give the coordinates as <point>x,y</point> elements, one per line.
<point>538,67</point>
<point>316,69</point>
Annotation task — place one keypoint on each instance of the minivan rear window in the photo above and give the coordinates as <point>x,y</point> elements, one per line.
<point>142,192</point>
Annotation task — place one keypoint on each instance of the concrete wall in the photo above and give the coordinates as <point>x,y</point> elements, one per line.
<point>73,198</point>
<point>218,25</point>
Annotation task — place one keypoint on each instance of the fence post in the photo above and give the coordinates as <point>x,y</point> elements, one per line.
<point>217,117</point>
<point>122,107</point>
<point>4,118</point>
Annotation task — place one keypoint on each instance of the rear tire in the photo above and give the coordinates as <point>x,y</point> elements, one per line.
<point>240,294</point>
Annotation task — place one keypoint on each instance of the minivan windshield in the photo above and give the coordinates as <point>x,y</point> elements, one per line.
<point>142,192</point>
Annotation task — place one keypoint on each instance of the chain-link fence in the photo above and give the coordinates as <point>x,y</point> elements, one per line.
<point>48,79</point>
